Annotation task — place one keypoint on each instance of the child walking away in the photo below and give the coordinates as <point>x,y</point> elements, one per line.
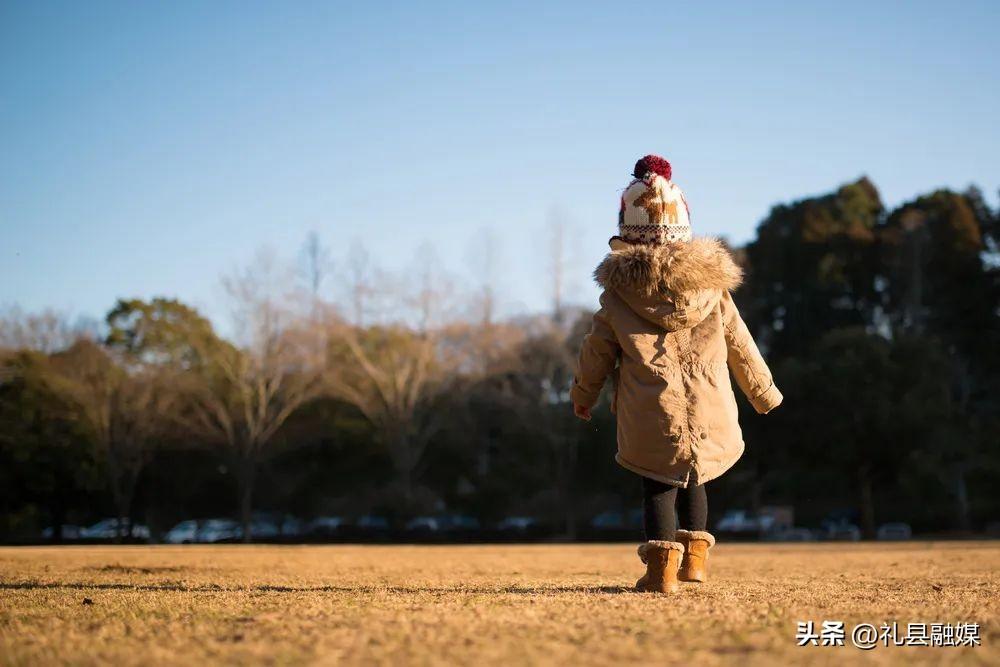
<point>669,333</point>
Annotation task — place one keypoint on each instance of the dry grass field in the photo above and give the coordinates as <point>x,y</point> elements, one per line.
<point>402,605</point>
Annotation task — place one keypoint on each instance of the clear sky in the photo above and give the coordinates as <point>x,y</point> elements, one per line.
<point>146,148</point>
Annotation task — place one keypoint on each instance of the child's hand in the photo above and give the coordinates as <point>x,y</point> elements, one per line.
<point>581,412</point>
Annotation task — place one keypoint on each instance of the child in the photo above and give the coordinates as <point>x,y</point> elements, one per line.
<point>669,333</point>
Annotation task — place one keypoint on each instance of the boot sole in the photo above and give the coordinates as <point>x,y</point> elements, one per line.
<point>662,591</point>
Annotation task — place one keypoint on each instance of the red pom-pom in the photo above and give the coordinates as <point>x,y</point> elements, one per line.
<point>655,164</point>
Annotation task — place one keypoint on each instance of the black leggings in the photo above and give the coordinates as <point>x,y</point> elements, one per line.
<point>659,501</point>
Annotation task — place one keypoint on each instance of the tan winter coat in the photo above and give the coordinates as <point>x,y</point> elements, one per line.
<point>669,334</point>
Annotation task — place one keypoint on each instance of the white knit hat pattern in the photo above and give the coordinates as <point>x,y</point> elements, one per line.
<point>654,211</point>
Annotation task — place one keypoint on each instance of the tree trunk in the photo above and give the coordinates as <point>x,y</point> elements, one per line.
<point>407,480</point>
<point>572,446</point>
<point>402,453</point>
<point>120,517</point>
<point>247,473</point>
<point>123,504</point>
<point>58,513</point>
<point>962,521</point>
<point>115,482</point>
<point>756,492</point>
<point>572,454</point>
<point>867,502</point>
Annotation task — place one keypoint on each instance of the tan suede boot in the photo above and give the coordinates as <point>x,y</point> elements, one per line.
<point>696,543</point>
<point>662,560</point>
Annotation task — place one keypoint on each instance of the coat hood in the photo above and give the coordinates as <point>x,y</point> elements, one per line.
<point>675,285</point>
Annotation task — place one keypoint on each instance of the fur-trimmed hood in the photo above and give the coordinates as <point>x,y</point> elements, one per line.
<point>674,286</point>
<point>669,334</point>
<point>702,264</point>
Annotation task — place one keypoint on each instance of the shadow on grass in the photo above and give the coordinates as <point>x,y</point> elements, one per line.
<point>267,588</point>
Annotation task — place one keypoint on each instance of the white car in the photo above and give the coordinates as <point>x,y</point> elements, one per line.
<point>790,535</point>
<point>423,524</point>
<point>326,525</point>
<point>740,521</point>
<point>516,523</point>
<point>894,531</point>
<point>264,529</point>
<point>372,522</point>
<point>186,532</point>
<point>205,531</point>
<point>107,529</point>
<point>846,532</point>
<point>69,532</point>
<point>219,530</point>
<point>292,526</point>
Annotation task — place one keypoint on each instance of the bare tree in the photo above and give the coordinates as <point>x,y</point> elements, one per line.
<point>557,263</point>
<point>127,410</point>
<point>241,396</point>
<point>427,290</point>
<point>47,331</point>
<point>313,271</point>
<point>484,258</point>
<point>398,380</point>
<point>315,266</point>
<point>399,376</point>
<point>241,400</point>
<point>235,396</point>
<point>359,282</point>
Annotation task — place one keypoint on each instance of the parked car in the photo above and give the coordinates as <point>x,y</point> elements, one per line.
<point>790,535</point>
<point>517,524</point>
<point>262,529</point>
<point>443,523</point>
<point>206,531</point>
<point>219,530</point>
<point>608,521</point>
<point>894,531</point>
<point>458,523</point>
<point>326,525</point>
<point>740,521</point>
<point>423,524</point>
<point>371,522</point>
<point>847,532</point>
<point>107,529</point>
<point>186,532</point>
<point>69,532</point>
<point>291,526</point>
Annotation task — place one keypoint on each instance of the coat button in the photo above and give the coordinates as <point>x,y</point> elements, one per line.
<point>703,435</point>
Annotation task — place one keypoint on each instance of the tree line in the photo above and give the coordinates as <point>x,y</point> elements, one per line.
<point>409,395</point>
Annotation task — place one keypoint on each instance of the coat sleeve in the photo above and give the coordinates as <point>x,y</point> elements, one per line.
<point>745,361</point>
<point>598,356</point>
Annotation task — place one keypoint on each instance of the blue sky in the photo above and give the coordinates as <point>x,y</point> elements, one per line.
<point>146,148</point>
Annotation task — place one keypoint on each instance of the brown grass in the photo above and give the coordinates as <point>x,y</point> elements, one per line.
<point>479,604</point>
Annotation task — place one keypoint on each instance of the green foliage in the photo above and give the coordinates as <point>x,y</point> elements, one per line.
<point>48,465</point>
<point>163,331</point>
<point>885,331</point>
<point>811,267</point>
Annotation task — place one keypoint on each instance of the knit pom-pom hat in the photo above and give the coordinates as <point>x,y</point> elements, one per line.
<point>653,163</point>
<point>653,209</point>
